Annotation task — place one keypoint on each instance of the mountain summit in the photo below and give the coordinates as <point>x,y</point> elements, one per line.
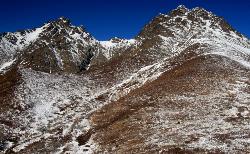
<point>180,86</point>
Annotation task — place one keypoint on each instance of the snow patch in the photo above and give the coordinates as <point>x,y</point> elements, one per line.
<point>110,46</point>
<point>6,65</point>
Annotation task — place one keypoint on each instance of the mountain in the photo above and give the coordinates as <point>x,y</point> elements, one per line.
<point>57,46</point>
<point>180,86</point>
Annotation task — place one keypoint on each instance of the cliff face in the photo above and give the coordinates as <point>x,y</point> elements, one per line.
<point>181,86</point>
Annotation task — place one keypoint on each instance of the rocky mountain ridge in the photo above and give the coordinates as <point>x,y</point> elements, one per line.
<point>57,46</point>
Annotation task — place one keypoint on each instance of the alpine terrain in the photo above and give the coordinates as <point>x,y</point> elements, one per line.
<point>182,85</point>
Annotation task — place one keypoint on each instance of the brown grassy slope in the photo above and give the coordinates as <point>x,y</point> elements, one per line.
<point>8,83</point>
<point>176,110</point>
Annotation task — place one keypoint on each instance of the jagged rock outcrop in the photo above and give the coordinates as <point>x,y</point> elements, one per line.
<point>57,46</point>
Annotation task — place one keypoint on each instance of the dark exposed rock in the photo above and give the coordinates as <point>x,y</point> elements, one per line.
<point>85,62</point>
<point>84,138</point>
<point>181,10</point>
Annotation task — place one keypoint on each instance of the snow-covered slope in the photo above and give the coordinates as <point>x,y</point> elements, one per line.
<point>11,44</point>
<point>116,46</point>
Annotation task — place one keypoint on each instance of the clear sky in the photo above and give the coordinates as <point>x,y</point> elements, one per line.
<point>105,19</point>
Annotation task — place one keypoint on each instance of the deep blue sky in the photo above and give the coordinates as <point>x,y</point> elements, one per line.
<point>105,19</point>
